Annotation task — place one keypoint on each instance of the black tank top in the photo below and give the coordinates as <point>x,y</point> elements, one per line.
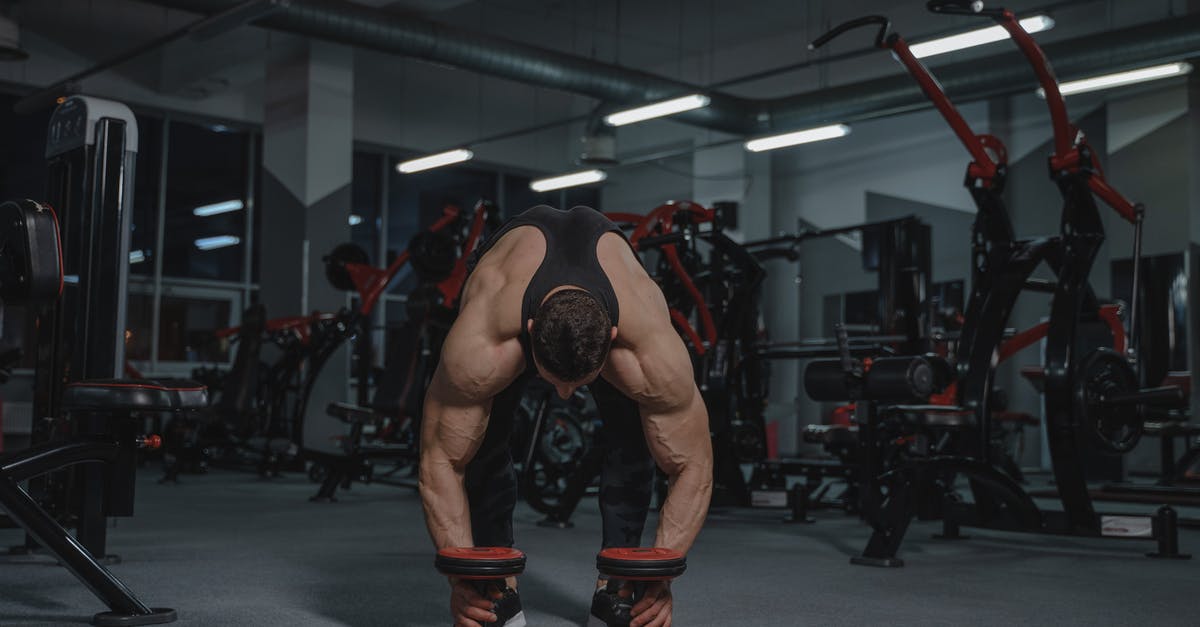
<point>571,239</point>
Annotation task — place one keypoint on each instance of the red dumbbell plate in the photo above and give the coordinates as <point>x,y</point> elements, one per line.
<point>480,562</point>
<point>641,564</point>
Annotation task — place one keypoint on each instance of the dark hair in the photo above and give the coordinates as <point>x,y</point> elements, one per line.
<point>571,333</point>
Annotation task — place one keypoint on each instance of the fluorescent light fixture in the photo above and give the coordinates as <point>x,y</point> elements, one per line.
<point>354,219</point>
<point>219,241</point>
<point>137,256</point>
<point>568,180</point>
<point>657,110</point>
<point>1119,79</point>
<point>435,161</point>
<point>219,207</point>
<point>807,136</point>
<point>979,37</point>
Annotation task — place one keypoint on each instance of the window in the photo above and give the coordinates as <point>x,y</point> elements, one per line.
<point>187,327</point>
<point>23,159</point>
<point>366,203</point>
<point>143,243</point>
<point>139,321</point>
<point>205,209</point>
<point>416,200</point>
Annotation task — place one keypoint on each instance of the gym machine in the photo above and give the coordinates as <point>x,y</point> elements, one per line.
<point>900,252</point>
<point>68,267</point>
<point>1100,394</point>
<point>387,427</point>
<point>91,149</point>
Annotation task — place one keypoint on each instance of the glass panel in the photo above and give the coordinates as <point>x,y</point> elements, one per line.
<point>139,323</point>
<point>144,240</point>
<point>518,197</point>
<point>416,200</point>
<point>206,189</point>
<point>366,203</point>
<point>256,228</point>
<point>20,331</point>
<point>585,196</point>
<point>187,327</point>
<point>23,159</point>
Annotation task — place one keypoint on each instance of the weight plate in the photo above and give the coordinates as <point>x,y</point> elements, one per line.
<point>432,255</point>
<point>335,265</point>
<point>1102,374</point>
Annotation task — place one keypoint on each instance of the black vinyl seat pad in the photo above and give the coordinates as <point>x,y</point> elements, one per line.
<point>135,394</point>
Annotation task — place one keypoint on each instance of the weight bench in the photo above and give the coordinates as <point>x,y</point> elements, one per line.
<point>105,428</point>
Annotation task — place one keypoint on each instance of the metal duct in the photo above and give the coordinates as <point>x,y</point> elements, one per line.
<point>999,74</point>
<point>410,35</point>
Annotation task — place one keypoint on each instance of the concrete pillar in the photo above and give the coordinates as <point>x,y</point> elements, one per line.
<point>307,158</point>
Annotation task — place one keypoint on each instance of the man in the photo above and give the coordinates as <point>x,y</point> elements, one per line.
<point>561,294</point>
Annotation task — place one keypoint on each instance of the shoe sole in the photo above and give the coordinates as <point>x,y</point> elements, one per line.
<point>516,621</point>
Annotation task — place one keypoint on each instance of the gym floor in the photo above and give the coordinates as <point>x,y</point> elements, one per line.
<point>231,549</point>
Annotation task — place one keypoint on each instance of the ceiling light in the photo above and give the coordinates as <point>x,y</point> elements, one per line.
<point>219,207</point>
<point>435,161</point>
<point>970,39</point>
<point>219,241</point>
<point>799,137</point>
<point>657,110</point>
<point>354,219</point>
<point>1119,79</point>
<point>568,180</point>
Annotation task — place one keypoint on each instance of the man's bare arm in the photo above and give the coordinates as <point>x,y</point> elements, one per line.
<point>473,369</point>
<point>659,378</point>
<point>678,436</point>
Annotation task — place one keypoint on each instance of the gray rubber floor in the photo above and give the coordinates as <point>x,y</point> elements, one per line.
<point>231,549</point>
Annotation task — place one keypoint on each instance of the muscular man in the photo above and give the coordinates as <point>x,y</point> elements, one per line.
<point>562,295</point>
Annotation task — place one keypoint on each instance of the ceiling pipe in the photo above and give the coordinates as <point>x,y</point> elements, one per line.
<point>996,75</point>
<point>413,36</point>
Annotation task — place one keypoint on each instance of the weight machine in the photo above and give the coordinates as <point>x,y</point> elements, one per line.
<point>1100,394</point>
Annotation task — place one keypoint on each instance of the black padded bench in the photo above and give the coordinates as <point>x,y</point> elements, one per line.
<point>106,427</point>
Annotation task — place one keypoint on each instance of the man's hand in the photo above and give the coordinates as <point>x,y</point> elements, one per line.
<point>467,607</point>
<point>654,608</point>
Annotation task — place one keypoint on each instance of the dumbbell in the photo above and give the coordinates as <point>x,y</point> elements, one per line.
<point>483,566</point>
<point>639,565</point>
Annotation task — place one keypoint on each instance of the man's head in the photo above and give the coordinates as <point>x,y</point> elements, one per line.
<point>571,334</point>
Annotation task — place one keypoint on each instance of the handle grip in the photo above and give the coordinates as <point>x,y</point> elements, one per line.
<point>871,20</point>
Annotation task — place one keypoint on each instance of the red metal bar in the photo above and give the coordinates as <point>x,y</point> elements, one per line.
<point>984,164</point>
<point>1067,139</point>
<point>375,282</point>
<point>1022,340</point>
<point>1063,137</point>
<point>686,329</point>
<point>451,287</point>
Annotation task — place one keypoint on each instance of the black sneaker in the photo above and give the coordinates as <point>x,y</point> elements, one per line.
<point>508,610</point>
<point>610,609</point>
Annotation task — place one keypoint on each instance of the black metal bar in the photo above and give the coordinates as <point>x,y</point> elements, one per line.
<point>50,457</point>
<point>1040,285</point>
<point>68,550</point>
<point>1169,395</point>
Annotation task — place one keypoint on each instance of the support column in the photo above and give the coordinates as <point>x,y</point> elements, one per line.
<point>307,162</point>
<point>1193,205</point>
